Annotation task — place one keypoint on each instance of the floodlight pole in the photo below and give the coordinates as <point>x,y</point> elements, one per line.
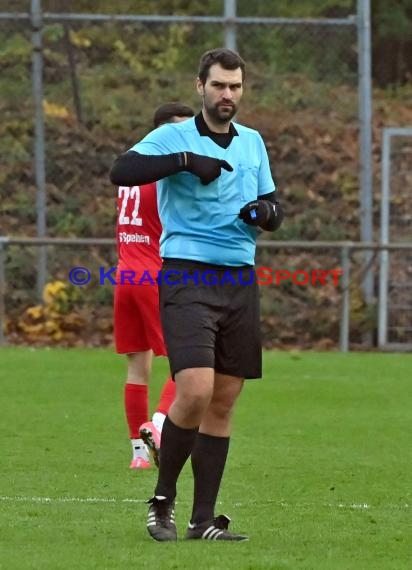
<point>365,140</point>
<point>230,10</point>
<point>39,145</point>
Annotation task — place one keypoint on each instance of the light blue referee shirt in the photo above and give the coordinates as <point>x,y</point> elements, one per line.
<point>200,222</point>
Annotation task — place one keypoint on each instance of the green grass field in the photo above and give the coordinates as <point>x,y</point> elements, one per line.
<point>319,471</point>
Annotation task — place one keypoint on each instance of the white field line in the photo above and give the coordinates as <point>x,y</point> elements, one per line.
<point>283,504</point>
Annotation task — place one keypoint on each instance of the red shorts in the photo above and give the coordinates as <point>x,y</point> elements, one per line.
<point>137,326</point>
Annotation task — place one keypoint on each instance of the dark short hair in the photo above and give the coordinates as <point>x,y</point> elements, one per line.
<point>227,58</point>
<point>166,112</point>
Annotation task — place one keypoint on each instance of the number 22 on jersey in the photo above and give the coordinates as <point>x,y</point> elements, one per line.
<point>126,193</point>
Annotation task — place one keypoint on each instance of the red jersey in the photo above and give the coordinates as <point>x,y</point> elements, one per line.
<point>138,232</point>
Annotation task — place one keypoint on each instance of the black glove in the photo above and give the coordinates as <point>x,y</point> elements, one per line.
<point>262,213</point>
<point>205,167</point>
<point>255,213</point>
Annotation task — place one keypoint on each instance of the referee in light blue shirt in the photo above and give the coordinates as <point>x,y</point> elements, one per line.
<point>212,199</point>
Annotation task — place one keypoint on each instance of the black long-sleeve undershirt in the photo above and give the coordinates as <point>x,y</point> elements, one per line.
<point>133,169</point>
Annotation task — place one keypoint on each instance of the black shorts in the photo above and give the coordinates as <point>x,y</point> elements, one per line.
<point>211,317</point>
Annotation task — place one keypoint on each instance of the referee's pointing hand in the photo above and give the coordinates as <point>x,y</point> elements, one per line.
<point>205,167</point>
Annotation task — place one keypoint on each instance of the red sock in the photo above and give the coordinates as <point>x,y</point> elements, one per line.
<point>166,397</point>
<point>136,407</point>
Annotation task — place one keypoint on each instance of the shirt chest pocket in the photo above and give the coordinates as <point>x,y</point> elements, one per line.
<point>196,191</point>
<point>248,182</point>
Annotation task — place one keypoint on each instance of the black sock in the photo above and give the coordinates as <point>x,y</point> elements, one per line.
<point>176,446</point>
<point>208,463</point>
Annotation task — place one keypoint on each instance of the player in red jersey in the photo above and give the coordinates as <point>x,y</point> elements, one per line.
<point>137,329</point>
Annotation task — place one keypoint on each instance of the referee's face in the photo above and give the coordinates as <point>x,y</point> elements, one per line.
<point>221,94</point>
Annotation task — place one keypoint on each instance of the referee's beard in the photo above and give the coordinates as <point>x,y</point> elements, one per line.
<point>221,113</point>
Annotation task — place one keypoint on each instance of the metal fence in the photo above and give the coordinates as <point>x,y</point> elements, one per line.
<point>395,276</point>
<point>298,62</point>
<point>295,64</point>
<point>298,309</point>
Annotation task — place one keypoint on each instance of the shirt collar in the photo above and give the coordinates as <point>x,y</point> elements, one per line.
<point>204,130</point>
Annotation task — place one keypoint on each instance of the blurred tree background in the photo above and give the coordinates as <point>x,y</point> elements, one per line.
<point>301,94</point>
